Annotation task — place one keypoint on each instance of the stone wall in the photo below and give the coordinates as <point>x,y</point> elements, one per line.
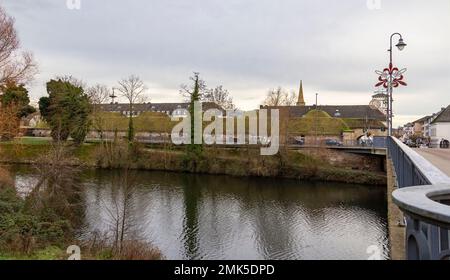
<point>344,159</point>
<point>397,231</point>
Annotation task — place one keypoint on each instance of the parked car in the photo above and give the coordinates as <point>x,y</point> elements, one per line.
<point>333,142</point>
<point>411,143</point>
<point>299,141</point>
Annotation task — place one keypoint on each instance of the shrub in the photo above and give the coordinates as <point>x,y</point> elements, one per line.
<point>24,229</point>
<point>136,250</point>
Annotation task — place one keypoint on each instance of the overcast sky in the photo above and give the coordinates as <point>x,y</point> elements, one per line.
<point>248,46</point>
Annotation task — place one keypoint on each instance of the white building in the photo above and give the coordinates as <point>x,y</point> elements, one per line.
<point>440,127</point>
<point>407,131</point>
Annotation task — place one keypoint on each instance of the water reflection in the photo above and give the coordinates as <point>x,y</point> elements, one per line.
<point>219,217</point>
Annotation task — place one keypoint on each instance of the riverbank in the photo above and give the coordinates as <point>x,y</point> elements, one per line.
<point>40,227</point>
<point>311,165</point>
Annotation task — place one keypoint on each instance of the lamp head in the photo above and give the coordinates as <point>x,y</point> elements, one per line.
<point>401,44</point>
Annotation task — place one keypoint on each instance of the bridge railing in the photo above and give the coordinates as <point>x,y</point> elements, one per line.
<point>424,198</point>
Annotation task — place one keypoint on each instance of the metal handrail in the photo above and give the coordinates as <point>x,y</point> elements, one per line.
<point>425,173</point>
<point>422,189</point>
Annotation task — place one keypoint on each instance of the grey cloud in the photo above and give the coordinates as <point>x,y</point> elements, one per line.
<point>249,46</point>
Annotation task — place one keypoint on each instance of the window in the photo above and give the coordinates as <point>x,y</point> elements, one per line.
<point>433,132</point>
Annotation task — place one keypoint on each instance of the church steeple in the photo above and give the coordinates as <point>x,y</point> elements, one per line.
<point>301,97</point>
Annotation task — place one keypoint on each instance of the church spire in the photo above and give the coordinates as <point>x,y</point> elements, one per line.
<point>301,97</point>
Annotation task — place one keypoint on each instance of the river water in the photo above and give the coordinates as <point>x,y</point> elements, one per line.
<point>219,217</point>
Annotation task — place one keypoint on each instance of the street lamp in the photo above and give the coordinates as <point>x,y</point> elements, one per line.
<point>113,95</point>
<point>401,46</point>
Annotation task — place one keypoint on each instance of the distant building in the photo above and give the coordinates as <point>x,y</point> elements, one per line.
<point>170,109</point>
<point>380,102</point>
<point>301,96</point>
<point>420,126</point>
<point>363,112</point>
<point>408,130</point>
<point>440,127</point>
<point>423,126</point>
<point>344,122</point>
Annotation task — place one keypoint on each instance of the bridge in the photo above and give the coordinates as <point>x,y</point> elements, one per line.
<point>438,157</point>
<point>423,195</point>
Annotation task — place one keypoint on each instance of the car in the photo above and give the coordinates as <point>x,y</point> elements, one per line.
<point>444,144</point>
<point>299,141</point>
<point>333,142</point>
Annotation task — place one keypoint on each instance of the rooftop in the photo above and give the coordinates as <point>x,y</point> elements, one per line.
<point>154,107</point>
<point>443,116</point>
<point>342,111</point>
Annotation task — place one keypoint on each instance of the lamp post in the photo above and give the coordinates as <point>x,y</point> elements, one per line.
<point>316,120</point>
<point>401,45</point>
<point>113,95</point>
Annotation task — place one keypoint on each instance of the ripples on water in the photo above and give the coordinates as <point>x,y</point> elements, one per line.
<point>220,217</point>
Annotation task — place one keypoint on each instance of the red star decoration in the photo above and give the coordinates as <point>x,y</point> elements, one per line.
<point>397,77</point>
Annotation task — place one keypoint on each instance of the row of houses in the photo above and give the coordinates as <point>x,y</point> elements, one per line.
<point>170,109</point>
<point>433,128</point>
<point>347,123</point>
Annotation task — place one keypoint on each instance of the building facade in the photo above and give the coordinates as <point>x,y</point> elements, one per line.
<point>170,109</point>
<point>347,123</point>
<point>440,128</point>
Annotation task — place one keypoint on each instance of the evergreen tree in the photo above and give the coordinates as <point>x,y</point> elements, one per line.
<point>195,96</point>
<point>17,95</point>
<point>66,110</point>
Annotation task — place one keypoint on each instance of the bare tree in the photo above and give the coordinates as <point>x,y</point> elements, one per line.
<point>292,99</point>
<point>280,97</point>
<point>58,186</point>
<point>98,95</point>
<point>133,89</point>
<point>220,96</point>
<point>9,122</point>
<point>15,66</point>
<point>198,87</point>
<point>122,220</point>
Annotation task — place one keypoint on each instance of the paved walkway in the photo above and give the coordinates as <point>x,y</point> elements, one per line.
<point>438,157</point>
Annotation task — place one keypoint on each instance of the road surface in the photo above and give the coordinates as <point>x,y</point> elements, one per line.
<point>438,157</point>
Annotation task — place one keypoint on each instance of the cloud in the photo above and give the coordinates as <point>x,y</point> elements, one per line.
<point>248,46</point>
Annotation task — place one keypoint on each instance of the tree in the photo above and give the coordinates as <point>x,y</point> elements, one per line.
<point>187,91</point>
<point>220,96</point>
<point>15,66</point>
<point>279,97</point>
<point>292,99</point>
<point>98,94</point>
<point>72,80</point>
<point>17,95</point>
<point>194,94</point>
<point>66,110</point>
<point>133,89</point>
<point>9,122</point>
